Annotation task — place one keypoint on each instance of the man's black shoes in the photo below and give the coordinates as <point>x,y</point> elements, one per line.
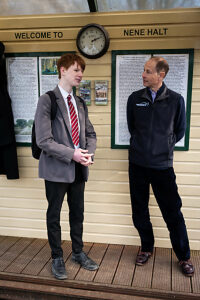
<point>58,268</point>
<point>85,262</point>
<point>142,258</point>
<point>187,267</point>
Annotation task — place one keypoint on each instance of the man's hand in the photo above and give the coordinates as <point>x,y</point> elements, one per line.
<point>81,156</point>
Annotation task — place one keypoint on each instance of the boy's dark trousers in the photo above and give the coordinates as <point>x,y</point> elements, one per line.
<point>55,192</point>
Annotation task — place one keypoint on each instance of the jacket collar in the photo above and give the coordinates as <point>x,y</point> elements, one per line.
<point>61,104</point>
<point>162,93</point>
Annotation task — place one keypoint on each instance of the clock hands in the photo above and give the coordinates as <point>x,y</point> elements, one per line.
<point>95,39</point>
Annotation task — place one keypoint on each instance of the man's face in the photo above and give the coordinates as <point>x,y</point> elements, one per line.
<point>72,76</point>
<point>150,77</point>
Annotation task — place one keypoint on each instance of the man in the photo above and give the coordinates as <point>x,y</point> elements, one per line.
<point>68,144</point>
<point>156,121</point>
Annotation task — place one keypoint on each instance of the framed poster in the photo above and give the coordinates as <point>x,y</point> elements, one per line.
<point>48,73</point>
<point>101,92</point>
<point>29,75</point>
<point>84,91</point>
<point>23,89</point>
<point>127,69</point>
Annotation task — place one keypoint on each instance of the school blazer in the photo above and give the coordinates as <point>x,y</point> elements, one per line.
<point>55,140</point>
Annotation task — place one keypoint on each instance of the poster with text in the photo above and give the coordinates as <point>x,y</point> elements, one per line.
<point>48,73</point>
<point>23,89</point>
<point>101,92</point>
<point>127,72</point>
<point>29,76</point>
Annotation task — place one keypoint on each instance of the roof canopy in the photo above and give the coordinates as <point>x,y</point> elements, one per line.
<point>38,7</point>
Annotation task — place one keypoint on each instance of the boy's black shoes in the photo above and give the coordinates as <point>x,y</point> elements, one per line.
<point>58,268</point>
<point>85,262</point>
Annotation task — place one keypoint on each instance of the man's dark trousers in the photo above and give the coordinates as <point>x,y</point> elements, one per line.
<point>55,192</point>
<point>164,186</point>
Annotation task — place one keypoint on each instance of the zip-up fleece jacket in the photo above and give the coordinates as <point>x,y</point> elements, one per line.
<point>155,127</point>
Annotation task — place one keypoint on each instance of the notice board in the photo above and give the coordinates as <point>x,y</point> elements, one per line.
<point>127,69</point>
<point>29,75</point>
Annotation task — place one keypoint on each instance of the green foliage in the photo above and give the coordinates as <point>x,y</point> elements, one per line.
<point>21,123</point>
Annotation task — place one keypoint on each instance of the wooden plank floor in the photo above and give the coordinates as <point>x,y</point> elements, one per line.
<point>25,273</point>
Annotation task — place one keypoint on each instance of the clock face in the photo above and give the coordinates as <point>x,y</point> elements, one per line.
<point>92,41</point>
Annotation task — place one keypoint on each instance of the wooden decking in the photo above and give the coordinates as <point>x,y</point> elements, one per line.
<point>25,273</point>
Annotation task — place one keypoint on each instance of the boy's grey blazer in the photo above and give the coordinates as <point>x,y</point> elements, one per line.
<point>54,138</point>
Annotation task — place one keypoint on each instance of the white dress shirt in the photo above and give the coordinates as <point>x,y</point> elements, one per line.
<point>65,95</point>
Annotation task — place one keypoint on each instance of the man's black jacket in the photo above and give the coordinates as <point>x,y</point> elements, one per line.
<point>155,127</point>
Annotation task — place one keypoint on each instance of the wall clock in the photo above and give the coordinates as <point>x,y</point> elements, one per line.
<point>92,41</point>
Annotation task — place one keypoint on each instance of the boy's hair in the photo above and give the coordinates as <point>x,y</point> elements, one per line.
<point>161,64</point>
<point>69,59</point>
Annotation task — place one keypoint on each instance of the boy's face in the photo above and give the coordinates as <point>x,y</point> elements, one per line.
<point>72,76</point>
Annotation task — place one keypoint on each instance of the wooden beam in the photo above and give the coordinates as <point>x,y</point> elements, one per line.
<point>93,5</point>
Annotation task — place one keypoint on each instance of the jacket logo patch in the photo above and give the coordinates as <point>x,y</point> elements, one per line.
<point>142,104</point>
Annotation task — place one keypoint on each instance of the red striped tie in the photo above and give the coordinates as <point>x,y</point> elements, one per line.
<point>74,122</point>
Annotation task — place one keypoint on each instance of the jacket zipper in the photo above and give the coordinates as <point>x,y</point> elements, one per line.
<point>151,133</point>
